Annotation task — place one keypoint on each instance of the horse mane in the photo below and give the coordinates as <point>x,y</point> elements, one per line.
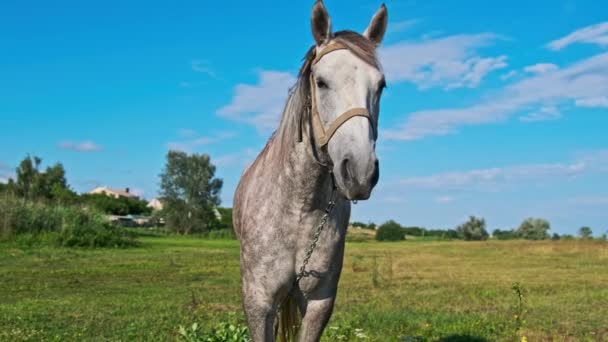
<point>298,105</point>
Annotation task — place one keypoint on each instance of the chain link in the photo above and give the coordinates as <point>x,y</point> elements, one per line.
<point>328,210</point>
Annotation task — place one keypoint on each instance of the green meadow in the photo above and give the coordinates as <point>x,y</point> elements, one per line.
<point>397,291</point>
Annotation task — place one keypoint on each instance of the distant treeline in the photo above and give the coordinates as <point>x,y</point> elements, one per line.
<point>472,230</point>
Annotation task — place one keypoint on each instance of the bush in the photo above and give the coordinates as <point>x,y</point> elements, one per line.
<point>473,230</point>
<point>505,234</point>
<point>414,231</point>
<point>390,231</point>
<point>585,232</point>
<point>89,229</point>
<point>534,229</point>
<point>70,226</point>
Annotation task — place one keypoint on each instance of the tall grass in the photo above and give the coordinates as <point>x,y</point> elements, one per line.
<point>69,226</point>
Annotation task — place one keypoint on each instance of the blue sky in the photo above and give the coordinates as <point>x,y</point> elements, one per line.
<point>498,110</point>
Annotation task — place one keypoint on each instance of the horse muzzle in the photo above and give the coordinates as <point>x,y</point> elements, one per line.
<point>357,181</point>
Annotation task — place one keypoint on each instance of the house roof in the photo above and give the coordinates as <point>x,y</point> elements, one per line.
<point>118,192</point>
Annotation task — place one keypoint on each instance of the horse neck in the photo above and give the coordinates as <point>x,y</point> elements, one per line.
<point>305,179</point>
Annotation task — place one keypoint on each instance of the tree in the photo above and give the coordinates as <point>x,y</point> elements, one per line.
<point>473,230</point>
<point>505,234</point>
<point>225,221</point>
<point>390,231</point>
<point>585,232</point>
<point>189,192</point>
<point>116,206</point>
<point>27,174</point>
<point>414,231</point>
<point>555,237</point>
<point>534,229</point>
<point>33,184</point>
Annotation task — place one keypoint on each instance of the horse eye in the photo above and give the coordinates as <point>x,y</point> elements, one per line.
<point>321,83</point>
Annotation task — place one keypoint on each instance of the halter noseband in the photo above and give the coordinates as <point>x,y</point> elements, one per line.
<point>322,136</point>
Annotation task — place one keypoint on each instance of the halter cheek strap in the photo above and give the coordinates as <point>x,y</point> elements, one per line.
<point>322,135</point>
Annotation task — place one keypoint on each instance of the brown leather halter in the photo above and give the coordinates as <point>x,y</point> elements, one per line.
<point>322,135</point>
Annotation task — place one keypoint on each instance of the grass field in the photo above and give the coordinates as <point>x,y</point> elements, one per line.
<point>406,291</point>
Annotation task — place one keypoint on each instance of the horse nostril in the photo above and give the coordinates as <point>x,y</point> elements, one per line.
<point>376,174</point>
<point>344,169</point>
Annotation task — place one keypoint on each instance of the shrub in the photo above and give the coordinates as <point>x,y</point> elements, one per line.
<point>534,229</point>
<point>473,230</point>
<point>390,231</point>
<point>585,232</point>
<point>69,226</point>
<point>505,234</point>
<point>414,231</point>
<point>90,229</point>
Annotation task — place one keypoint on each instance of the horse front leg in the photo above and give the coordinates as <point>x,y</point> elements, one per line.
<point>264,284</point>
<point>317,314</point>
<point>260,320</point>
<point>260,311</point>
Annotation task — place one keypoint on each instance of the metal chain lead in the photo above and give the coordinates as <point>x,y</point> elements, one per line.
<point>328,210</point>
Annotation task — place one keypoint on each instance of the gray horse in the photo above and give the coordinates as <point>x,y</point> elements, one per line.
<point>299,188</point>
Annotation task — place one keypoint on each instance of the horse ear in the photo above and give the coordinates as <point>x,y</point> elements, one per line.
<point>321,23</point>
<point>377,26</point>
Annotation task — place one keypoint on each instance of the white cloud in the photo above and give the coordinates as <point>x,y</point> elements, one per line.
<point>599,102</point>
<point>591,200</point>
<point>190,144</point>
<point>85,146</point>
<point>400,26</point>
<point>186,132</point>
<point>541,68</point>
<point>594,34</point>
<point>545,113</point>
<point>597,158</point>
<point>241,158</point>
<point>449,62</point>
<point>509,75</point>
<point>444,199</point>
<point>584,80</point>
<point>492,178</point>
<point>202,67</point>
<point>262,104</point>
